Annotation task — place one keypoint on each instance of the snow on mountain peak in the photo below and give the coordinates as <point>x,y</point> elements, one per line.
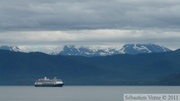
<point>89,50</point>
<point>10,48</point>
<point>143,48</point>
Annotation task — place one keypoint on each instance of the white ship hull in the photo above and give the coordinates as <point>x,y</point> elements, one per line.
<point>45,82</point>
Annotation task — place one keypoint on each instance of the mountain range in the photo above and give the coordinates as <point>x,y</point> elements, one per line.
<point>159,68</point>
<point>126,49</point>
<point>10,48</point>
<point>71,50</point>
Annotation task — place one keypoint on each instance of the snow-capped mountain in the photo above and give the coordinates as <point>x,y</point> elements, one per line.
<point>143,48</point>
<point>10,48</point>
<point>126,49</point>
<point>87,51</point>
<point>27,49</point>
<point>90,51</point>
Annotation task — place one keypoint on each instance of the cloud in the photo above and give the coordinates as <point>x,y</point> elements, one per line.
<point>89,22</point>
<point>88,14</point>
<point>101,37</point>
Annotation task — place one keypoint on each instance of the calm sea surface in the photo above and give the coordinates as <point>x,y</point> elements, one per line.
<point>79,93</point>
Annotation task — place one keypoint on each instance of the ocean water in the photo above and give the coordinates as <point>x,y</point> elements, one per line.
<point>79,93</point>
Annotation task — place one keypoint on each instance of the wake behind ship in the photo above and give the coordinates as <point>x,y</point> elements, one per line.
<point>46,82</point>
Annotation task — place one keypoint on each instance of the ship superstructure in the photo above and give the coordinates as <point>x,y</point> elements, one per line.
<point>46,82</point>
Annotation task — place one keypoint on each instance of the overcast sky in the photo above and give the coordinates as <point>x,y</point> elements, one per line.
<point>89,22</point>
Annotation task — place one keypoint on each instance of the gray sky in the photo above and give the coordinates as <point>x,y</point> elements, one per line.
<point>89,22</point>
